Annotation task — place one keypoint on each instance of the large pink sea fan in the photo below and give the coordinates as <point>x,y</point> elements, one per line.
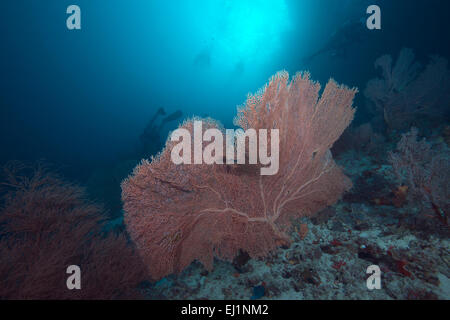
<point>180,213</point>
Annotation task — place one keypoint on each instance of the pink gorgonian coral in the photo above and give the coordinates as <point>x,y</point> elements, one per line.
<point>180,213</point>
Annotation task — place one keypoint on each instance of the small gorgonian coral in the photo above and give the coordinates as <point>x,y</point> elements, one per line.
<point>180,213</point>
<point>425,170</point>
<point>406,91</point>
<point>48,224</point>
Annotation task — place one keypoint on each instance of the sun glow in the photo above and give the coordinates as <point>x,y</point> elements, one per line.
<point>251,29</point>
<point>244,31</point>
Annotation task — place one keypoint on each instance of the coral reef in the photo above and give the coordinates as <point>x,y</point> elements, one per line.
<point>180,213</point>
<point>331,261</point>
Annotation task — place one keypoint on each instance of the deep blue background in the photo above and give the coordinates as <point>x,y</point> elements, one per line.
<point>81,98</point>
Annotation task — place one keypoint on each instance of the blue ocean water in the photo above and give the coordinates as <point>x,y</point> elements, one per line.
<point>82,97</point>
